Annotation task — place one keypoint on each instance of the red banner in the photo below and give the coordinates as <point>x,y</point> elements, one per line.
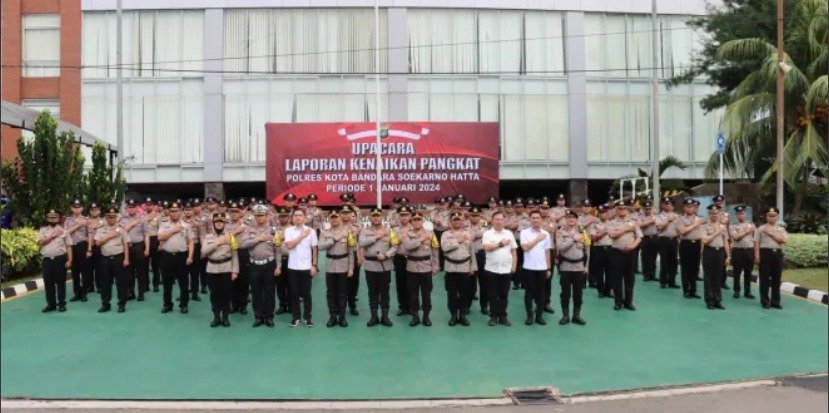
<point>419,160</point>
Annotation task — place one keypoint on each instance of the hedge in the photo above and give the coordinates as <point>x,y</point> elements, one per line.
<point>807,250</point>
<point>19,252</point>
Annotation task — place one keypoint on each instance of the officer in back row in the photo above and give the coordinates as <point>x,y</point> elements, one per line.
<point>56,249</point>
<point>139,245</point>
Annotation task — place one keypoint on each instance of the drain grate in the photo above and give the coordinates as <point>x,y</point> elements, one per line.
<point>534,395</point>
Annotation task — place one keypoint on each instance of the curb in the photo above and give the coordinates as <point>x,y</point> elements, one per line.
<point>812,295</point>
<point>19,290</point>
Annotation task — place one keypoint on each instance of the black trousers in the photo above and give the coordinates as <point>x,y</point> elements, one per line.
<point>599,271</point>
<point>622,273</point>
<point>111,269</point>
<point>54,280</point>
<point>712,274</point>
<point>649,251</point>
<point>139,269</point>
<point>194,269</point>
<point>548,288</point>
<point>283,291</point>
<point>689,260</point>
<point>441,258</point>
<point>534,289</point>
<point>79,269</point>
<point>498,287</point>
<point>263,289</point>
<point>457,291</point>
<point>742,259</point>
<point>420,287</point>
<point>378,289</point>
<point>667,260</point>
<point>300,281</point>
<point>354,285</point>
<point>241,287</point>
<point>400,283</point>
<point>771,270</point>
<point>572,285</point>
<point>518,275</point>
<point>481,279</point>
<point>219,291</point>
<point>336,284</point>
<point>155,261</point>
<point>174,269</point>
<point>92,269</point>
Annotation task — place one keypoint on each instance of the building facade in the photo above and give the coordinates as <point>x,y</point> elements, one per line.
<point>567,80</point>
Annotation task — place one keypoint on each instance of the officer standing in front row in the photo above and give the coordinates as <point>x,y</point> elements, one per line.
<point>626,237</point>
<point>56,249</point>
<point>265,265</point>
<point>460,264</point>
<point>742,235</point>
<point>220,250</point>
<point>572,244</point>
<point>339,266</point>
<point>113,262</point>
<point>768,252</point>
<point>715,252</point>
<point>177,238</point>
<point>421,247</point>
<point>379,245</point>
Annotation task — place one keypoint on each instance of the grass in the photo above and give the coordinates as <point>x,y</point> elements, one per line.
<point>811,278</point>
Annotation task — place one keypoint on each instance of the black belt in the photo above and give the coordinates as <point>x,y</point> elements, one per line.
<point>423,258</point>
<point>136,243</point>
<point>337,257</point>
<point>220,261</point>
<point>55,258</point>
<point>176,253</point>
<point>649,236</point>
<point>742,248</point>
<point>572,261</point>
<point>692,241</point>
<point>602,246</point>
<point>112,257</point>
<point>463,261</point>
<point>372,259</point>
<point>714,248</point>
<point>772,249</point>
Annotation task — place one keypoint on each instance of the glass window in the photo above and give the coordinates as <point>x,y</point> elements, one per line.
<point>41,45</point>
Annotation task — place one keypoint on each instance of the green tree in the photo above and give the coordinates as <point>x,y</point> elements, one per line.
<point>749,119</point>
<point>105,181</point>
<point>667,186</point>
<point>47,173</point>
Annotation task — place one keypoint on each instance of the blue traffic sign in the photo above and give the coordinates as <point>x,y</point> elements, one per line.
<point>720,143</point>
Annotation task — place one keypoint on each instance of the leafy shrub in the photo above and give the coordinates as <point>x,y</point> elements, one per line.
<point>807,250</point>
<point>20,253</point>
<point>804,223</point>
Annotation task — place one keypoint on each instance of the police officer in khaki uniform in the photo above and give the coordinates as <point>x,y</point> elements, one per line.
<point>339,266</point>
<point>283,287</point>
<point>76,225</point>
<point>176,237</point>
<point>599,268</point>
<point>114,261</point>
<point>220,248</point>
<point>440,221</point>
<point>352,221</point>
<point>93,252</point>
<point>689,228</point>
<point>572,244</point>
<point>265,265</point>
<point>240,287</point>
<point>626,237</point>
<point>153,218</point>
<point>316,216</point>
<point>650,243</point>
<point>379,245</point>
<point>194,269</point>
<point>139,246</point>
<point>768,252</point>
<point>460,265</point>
<point>742,251</point>
<point>422,250</point>
<point>667,243</point>
<point>404,214</point>
<point>56,249</point>
<point>715,251</point>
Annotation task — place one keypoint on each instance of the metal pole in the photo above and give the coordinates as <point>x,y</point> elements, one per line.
<point>779,106</point>
<point>721,191</point>
<point>119,85</point>
<point>377,98</point>
<point>633,188</point>
<point>655,105</point>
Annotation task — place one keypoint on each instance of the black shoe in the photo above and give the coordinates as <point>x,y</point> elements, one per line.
<point>155,288</point>
<point>61,308</point>
<point>505,321</point>
<point>294,323</point>
<point>696,296</point>
<point>578,320</point>
<point>373,321</point>
<point>700,279</point>
<point>332,321</point>
<point>529,321</point>
<point>343,322</point>
<point>269,322</point>
<point>196,297</point>
<point>280,311</point>
<point>475,297</point>
<point>463,321</point>
<point>426,321</point>
<point>564,320</point>
<point>686,295</point>
<point>630,307</point>
<point>203,290</point>
<point>777,306</point>
<point>258,322</point>
<point>540,320</point>
<point>662,286</point>
<point>401,312</point>
<point>515,287</point>
<point>724,287</point>
<point>122,308</point>
<point>131,297</point>
<point>674,286</point>
<point>719,306</point>
<point>617,307</point>
<point>492,322</point>
<point>453,321</point>
<point>354,312</point>
<point>736,295</point>
<point>104,309</point>
<point>749,296</point>
<point>140,297</point>
<point>183,310</point>
<point>710,306</point>
<point>225,319</point>
<point>216,321</point>
<point>548,309</point>
<point>766,306</point>
<point>485,311</point>
<point>74,298</point>
<point>384,320</point>
<point>165,310</point>
<point>243,311</point>
<point>83,299</point>
<point>415,321</point>
<point>309,323</point>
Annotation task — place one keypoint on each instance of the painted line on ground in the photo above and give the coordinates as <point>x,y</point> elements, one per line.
<point>675,391</point>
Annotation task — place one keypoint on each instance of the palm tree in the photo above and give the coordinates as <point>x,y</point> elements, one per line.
<point>749,120</point>
<point>668,186</point>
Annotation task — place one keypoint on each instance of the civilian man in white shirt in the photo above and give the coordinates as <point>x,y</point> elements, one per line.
<point>301,242</point>
<point>499,244</point>
<point>536,244</point>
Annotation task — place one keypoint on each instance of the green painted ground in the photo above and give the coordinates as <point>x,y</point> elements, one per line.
<point>143,354</point>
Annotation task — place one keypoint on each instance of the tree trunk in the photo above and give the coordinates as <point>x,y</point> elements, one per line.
<point>800,194</point>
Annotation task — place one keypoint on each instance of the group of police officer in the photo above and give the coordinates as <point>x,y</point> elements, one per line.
<point>257,252</point>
